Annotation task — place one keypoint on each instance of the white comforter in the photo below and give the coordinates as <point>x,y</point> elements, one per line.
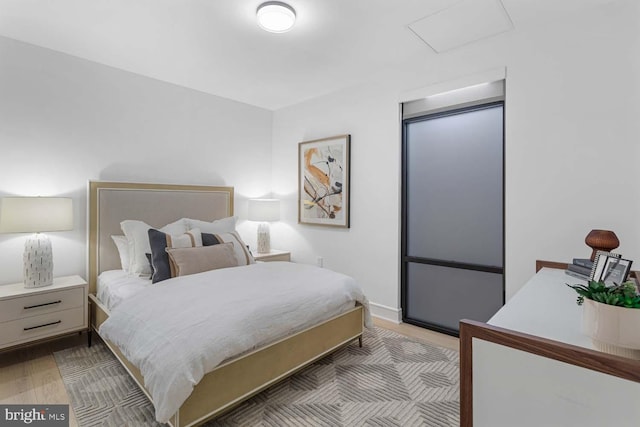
<point>179,329</point>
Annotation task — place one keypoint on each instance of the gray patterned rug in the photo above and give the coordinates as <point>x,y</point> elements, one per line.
<point>390,381</point>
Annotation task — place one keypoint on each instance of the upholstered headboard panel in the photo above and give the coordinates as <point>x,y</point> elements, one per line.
<point>156,204</point>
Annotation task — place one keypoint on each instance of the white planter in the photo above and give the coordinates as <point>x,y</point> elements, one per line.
<point>613,330</point>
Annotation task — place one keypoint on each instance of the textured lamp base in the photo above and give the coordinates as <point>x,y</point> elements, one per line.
<point>264,240</point>
<point>38,261</point>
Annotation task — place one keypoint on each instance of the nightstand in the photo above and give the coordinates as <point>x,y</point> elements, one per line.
<point>273,255</point>
<point>31,314</point>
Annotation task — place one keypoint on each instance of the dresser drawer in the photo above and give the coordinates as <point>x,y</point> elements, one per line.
<point>34,305</point>
<point>44,325</point>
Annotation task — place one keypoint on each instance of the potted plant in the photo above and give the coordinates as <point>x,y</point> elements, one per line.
<point>611,316</point>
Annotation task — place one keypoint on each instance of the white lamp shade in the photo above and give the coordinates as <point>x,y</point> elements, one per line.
<point>276,17</point>
<point>35,214</point>
<point>264,210</point>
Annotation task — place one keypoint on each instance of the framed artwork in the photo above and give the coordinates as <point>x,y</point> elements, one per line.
<point>616,271</point>
<point>599,263</point>
<point>323,181</point>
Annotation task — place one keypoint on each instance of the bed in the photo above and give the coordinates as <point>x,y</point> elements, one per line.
<point>236,378</point>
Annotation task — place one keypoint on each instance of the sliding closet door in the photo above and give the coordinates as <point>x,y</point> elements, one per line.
<point>453,216</point>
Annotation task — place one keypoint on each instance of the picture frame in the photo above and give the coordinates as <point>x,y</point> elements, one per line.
<point>323,181</point>
<point>615,271</point>
<point>599,262</point>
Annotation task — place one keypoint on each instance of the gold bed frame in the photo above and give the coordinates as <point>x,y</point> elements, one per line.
<point>237,379</point>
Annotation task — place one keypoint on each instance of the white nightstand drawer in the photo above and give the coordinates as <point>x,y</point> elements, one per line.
<point>33,305</point>
<point>273,255</point>
<point>27,329</point>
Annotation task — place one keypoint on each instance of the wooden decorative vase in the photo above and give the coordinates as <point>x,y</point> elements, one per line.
<point>601,240</point>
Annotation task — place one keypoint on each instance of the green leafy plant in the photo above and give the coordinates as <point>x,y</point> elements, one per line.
<point>622,295</point>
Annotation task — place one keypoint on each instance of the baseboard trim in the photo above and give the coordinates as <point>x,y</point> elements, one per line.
<point>386,313</point>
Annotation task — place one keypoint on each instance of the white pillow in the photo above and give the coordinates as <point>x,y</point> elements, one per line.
<point>190,239</point>
<point>224,225</point>
<point>138,239</point>
<point>240,248</point>
<point>123,250</point>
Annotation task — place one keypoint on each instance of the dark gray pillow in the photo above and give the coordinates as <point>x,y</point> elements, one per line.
<point>159,241</point>
<point>209,239</point>
<point>160,269</point>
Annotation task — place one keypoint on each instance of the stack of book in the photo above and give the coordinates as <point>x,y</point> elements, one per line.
<point>580,268</point>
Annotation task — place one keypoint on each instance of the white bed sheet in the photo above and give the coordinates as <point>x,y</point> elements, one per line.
<point>178,330</point>
<point>114,286</point>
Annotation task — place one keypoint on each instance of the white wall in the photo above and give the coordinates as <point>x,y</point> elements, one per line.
<point>572,108</point>
<point>571,130</point>
<point>64,120</point>
<point>369,250</point>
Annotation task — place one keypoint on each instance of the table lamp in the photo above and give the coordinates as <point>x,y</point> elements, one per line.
<point>264,210</point>
<point>35,215</point>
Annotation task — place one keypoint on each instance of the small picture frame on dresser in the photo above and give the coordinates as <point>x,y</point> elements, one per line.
<point>616,271</point>
<point>599,264</point>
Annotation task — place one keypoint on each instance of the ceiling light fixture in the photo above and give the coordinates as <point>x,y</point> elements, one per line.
<point>276,16</point>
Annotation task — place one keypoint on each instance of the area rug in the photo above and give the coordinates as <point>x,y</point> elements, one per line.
<point>391,381</point>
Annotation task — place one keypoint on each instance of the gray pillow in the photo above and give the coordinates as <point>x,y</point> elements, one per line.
<point>187,261</point>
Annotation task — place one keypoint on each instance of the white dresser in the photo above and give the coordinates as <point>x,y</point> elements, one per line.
<point>531,365</point>
<point>36,313</point>
<point>546,307</point>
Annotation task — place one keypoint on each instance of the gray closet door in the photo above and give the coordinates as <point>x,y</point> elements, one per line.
<point>453,216</point>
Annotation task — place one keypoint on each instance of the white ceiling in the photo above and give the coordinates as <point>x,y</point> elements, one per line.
<point>215,46</point>
<point>458,25</point>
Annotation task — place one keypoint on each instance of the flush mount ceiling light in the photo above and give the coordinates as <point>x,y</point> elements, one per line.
<point>276,17</point>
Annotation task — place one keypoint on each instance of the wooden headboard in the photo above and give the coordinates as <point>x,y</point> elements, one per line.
<point>156,204</point>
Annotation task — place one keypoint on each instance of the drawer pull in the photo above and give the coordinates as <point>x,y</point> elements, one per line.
<point>42,326</point>
<point>42,305</point>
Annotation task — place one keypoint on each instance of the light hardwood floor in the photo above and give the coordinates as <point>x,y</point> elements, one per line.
<point>422,334</point>
<point>29,375</point>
